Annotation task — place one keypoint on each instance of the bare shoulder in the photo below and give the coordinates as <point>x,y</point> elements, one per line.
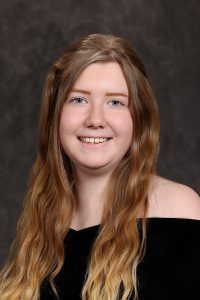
<point>171,199</point>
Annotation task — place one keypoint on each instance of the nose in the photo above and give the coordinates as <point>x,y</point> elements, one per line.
<point>95,117</point>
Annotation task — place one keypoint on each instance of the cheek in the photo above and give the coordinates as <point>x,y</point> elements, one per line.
<point>67,122</point>
<point>64,127</point>
<point>124,126</point>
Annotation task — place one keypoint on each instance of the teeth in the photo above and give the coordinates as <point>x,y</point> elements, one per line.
<point>93,140</point>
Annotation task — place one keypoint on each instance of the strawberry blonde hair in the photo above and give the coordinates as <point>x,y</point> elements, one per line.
<point>37,253</point>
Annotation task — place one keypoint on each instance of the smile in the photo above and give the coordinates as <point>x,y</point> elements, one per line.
<point>88,140</point>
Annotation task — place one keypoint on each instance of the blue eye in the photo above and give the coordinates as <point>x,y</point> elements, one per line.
<point>78,100</point>
<point>117,102</point>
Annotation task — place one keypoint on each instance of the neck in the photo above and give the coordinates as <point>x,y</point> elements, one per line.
<point>91,191</point>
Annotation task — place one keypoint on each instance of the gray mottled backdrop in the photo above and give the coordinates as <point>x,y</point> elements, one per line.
<point>33,34</point>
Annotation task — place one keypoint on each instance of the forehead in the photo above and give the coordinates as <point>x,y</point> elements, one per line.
<point>102,75</point>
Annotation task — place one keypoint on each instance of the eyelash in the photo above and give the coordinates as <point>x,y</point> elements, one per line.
<point>79,98</point>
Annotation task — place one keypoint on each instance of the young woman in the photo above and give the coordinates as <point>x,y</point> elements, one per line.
<point>98,223</point>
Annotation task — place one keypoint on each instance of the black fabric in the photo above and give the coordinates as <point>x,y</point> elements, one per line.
<point>170,269</point>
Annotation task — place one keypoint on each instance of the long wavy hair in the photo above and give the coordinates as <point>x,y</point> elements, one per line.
<point>37,253</point>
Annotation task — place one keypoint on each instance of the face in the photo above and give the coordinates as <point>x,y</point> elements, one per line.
<point>96,125</point>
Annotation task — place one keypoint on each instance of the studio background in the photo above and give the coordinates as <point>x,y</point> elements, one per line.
<point>33,34</point>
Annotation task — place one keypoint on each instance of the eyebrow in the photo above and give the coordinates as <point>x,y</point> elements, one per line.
<point>107,94</point>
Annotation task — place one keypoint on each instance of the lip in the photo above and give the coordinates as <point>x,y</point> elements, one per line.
<point>93,137</point>
<point>88,145</point>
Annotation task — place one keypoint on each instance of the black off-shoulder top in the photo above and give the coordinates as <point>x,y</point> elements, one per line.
<point>170,269</point>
